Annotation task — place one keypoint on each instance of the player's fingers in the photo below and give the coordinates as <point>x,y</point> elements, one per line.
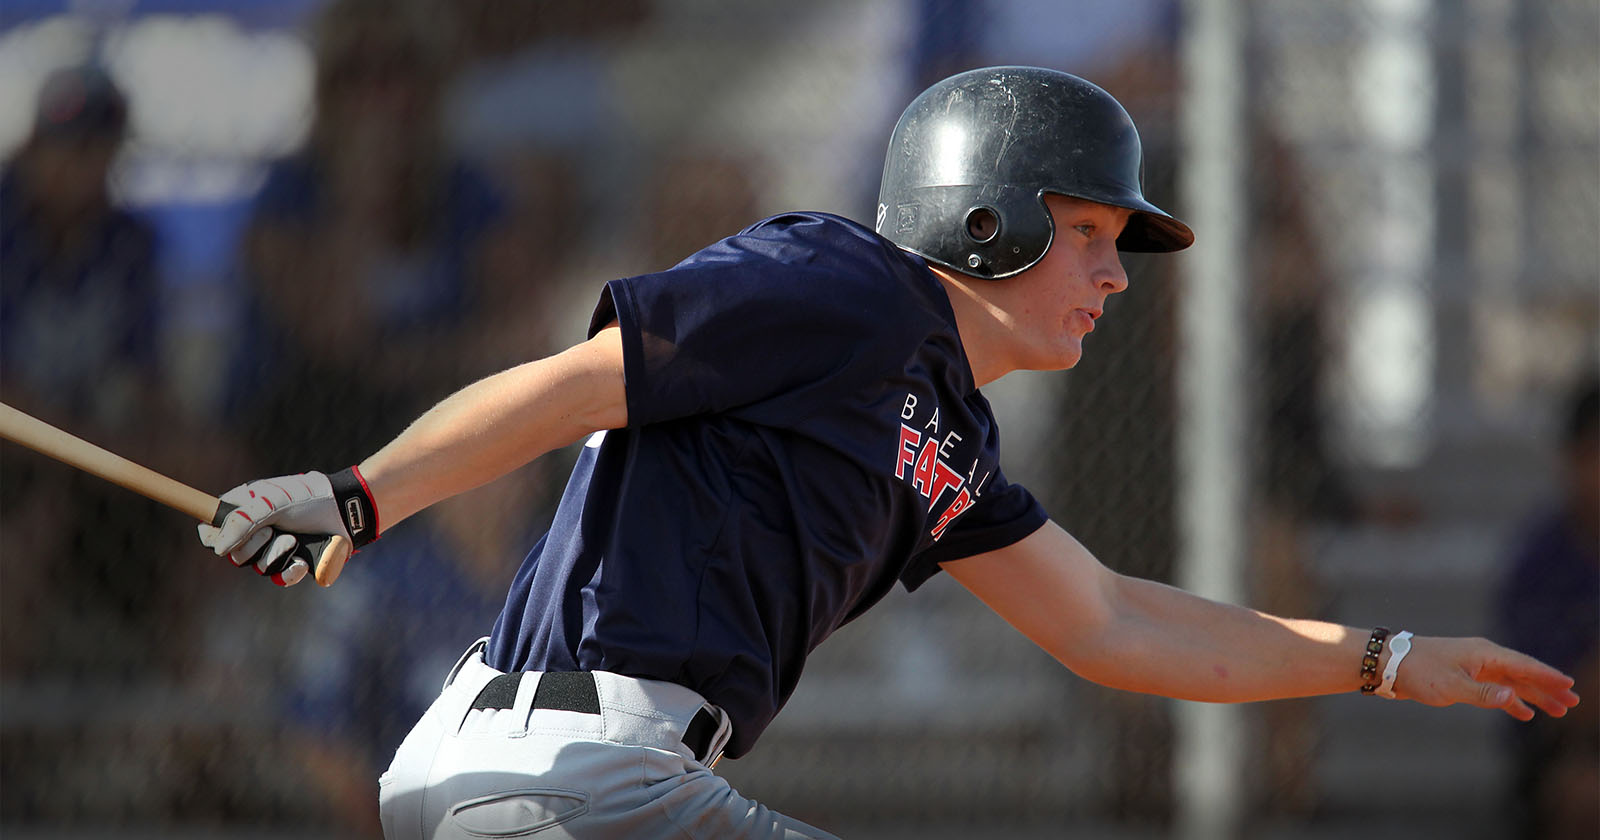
<point>308,549</point>
<point>237,527</point>
<point>292,573</point>
<point>1491,695</point>
<point>1518,709</point>
<point>1553,704</point>
<point>247,553</point>
<point>1497,660</point>
<point>252,509</point>
<point>1534,681</point>
<point>277,556</point>
<point>1546,679</point>
<point>208,535</point>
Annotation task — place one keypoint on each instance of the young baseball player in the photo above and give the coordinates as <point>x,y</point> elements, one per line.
<point>779,429</point>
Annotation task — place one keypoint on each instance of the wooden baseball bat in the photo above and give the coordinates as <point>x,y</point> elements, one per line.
<point>48,440</point>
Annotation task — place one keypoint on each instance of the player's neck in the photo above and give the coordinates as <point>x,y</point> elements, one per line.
<point>981,325</point>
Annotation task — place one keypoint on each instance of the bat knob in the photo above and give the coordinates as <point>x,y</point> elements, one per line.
<point>331,562</point>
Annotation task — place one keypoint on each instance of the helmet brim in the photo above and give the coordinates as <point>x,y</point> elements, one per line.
<point>1151,231</point>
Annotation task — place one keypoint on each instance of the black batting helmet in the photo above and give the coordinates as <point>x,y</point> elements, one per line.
<point>972,157</point>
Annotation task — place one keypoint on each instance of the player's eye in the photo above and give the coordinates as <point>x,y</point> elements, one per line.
<point>1086,229</point>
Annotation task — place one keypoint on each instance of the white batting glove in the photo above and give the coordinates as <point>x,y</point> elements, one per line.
<point>279,526</point>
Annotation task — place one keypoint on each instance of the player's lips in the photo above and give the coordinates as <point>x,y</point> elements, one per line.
<point>1086,317</point>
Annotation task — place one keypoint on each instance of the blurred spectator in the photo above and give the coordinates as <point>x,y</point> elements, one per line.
<point>383,272</point>
<point>1549,608</point>
<point>370,252</point>
<point>79,347</point>
<point>80,296</point>
<point>536,102</point>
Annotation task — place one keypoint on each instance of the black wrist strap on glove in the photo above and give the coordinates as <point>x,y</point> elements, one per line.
<point>356,507</point>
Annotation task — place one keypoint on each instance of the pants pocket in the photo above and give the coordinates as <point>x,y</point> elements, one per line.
<point>514,813</point>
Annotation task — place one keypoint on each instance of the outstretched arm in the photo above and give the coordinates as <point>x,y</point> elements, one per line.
<point>498,424</point>
<point>1139,635</point>
<point>478,434</point>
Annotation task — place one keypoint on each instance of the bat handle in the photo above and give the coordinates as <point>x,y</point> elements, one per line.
<point>331,561</point>
<point>335,550</point>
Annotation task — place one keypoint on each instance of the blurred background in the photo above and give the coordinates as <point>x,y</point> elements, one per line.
<point>241,237</point>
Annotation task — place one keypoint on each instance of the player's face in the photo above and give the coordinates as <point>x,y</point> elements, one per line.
<point>1056,303</point>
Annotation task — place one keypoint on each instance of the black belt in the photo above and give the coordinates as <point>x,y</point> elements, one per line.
<point>574,691</point>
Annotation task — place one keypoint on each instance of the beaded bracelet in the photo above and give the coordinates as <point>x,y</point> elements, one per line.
<point>1369,661</point>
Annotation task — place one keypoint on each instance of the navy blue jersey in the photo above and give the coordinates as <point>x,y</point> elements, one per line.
<point>803,431</point>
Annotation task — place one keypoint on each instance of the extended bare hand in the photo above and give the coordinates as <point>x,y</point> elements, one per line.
<point>1442,671</point>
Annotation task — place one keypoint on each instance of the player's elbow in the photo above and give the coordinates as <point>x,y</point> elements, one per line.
<point>1103,644</point>
<point>594,373</point>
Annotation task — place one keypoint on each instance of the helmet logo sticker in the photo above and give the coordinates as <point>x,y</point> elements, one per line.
<point>905,218</point>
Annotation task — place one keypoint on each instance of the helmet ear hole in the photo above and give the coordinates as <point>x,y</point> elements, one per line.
<point>983,224</point>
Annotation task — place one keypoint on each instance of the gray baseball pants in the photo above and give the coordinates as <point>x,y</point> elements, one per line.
<point>484,761</point>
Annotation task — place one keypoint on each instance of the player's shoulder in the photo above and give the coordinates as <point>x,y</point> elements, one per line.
<point>832,254</point>
<point>805,223</point>
<point>820,234</point>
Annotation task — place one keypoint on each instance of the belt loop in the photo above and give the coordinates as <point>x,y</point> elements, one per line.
<point>522,706</point>
<point>477,646</point>
<point>724,735</point>
<point>719,741</point>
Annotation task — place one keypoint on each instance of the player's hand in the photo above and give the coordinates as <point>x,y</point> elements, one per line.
<point>280,525</point>
<point>1443,671</point>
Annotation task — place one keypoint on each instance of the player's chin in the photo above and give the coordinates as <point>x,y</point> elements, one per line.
<point>1067,353</point>
<point>1058,358</point>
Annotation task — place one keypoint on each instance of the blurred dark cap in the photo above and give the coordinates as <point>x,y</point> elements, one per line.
<point>80,103</point>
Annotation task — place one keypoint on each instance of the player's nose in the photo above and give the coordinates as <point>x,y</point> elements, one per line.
<point>1110,276</point>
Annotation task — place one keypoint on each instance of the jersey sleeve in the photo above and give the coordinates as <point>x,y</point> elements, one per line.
<point>770,313</point>
<point>1005,514</point>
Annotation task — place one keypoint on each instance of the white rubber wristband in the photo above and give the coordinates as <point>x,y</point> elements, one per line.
<point>1399,646</point>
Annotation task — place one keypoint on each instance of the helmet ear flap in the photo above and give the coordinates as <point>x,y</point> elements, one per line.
<point>984,231</point>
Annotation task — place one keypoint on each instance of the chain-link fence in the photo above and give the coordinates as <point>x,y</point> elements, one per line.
<point>243,238</point>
